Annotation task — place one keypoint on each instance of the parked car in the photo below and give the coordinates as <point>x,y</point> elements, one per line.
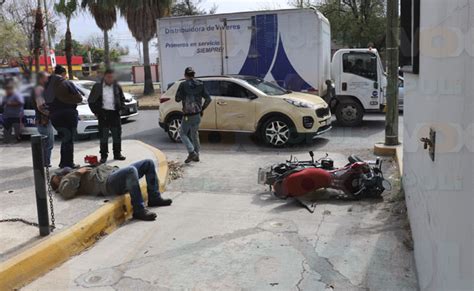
<point>87,121</point>
<point>131,104</point>
<point>250,104</point>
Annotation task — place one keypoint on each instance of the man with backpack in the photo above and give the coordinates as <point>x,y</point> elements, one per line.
<point>62,98</point>
<point>190,93</point>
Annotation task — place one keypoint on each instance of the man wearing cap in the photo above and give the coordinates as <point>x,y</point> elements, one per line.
<point>190,93</point>
<point>62,97</point>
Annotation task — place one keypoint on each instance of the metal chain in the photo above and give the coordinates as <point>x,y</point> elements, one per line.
<point>19,220</point>
<point>50,194</point>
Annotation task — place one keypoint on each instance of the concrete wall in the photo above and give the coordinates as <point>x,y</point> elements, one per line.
<point>440,194</point>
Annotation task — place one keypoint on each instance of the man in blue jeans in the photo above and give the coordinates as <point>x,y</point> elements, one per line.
<point>43,124</point>
<point>190,93</point>
<point>105,180</point>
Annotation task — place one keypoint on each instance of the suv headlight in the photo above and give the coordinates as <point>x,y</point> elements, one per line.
<point>299,104</point>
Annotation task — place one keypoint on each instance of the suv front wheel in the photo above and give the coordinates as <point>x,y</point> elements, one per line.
<point>174,125</point>
<point>277,131</point>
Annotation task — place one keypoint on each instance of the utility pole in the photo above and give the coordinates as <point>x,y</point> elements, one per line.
<point>391,116</point>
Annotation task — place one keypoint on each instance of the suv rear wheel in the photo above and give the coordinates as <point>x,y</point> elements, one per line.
<point>277,131</point>
<point>174,125</point>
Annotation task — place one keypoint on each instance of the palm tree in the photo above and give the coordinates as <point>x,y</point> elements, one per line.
<point>105,15</point>
<point>141,18</point>
<point>68,9</point>
<point>38,28</point>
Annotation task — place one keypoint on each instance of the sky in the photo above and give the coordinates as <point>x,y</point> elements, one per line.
<point>83,25</point>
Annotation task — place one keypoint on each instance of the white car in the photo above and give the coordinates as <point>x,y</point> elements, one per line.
<point>131,104</point>
<point>87,124</point>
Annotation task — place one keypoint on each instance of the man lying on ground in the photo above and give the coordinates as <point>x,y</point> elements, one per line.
<point>105,179</point>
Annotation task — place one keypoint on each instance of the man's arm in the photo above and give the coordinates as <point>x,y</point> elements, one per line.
<point>71,183</point>
<point>121,96</point>
<point>180,93</point>
<point>207,98</point>
<point>93,99</point>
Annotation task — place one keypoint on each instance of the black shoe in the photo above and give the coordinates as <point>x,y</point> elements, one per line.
<point>119,158</point>
<point>144,214</point>
<point>159,202</point>
<point>73,166</point>
<point>103,159</point>
<point>192,158</point>
<point>196,158</point>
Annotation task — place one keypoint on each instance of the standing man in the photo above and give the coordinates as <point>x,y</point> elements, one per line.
<point>62,98</point>
<point>43,124</point>
<point>12,112</point>
<point>190,93</point>
<point>106,100</point>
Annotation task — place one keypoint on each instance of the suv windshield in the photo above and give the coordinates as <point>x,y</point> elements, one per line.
<point>266,87</point>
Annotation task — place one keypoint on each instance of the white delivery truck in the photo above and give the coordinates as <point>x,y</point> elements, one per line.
<point>289,47</point>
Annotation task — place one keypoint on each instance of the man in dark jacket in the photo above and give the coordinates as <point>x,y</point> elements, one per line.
<point>106,100</point>
<point>190,93</point>
<point>62,97</point>
<point>108,180</point>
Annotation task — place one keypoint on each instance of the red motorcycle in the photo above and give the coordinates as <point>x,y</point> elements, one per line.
<point>296,178</point>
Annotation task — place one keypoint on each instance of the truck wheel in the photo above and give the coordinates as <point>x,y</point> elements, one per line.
<point>174,125</point>
<point>349,113</point>
<point>277,132</point>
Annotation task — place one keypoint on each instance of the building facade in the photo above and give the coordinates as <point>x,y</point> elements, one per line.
<point>438,58</point>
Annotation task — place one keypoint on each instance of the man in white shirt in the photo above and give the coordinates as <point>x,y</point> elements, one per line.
<point>106,100</point>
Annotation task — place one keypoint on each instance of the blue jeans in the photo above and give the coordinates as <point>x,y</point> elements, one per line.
<point>127,180</point>
<point>189,132</point>
<point>47,130</point>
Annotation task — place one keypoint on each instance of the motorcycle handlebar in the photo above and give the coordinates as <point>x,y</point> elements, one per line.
<point>354,159</point>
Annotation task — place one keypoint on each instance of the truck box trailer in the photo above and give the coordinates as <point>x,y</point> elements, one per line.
<point>290,47</point>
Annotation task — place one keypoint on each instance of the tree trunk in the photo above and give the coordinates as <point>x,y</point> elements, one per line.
<point>37,36</point>
<point>106,50</point>
<point>148,90</point>
<point>68,50</point>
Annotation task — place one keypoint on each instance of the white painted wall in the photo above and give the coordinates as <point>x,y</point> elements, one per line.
<point>440,194</point>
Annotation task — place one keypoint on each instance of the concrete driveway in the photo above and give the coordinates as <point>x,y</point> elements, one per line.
<point>225,232</point>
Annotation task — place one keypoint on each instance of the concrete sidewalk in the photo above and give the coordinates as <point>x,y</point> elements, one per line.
<point>225,232</point>
<point>17,196</point>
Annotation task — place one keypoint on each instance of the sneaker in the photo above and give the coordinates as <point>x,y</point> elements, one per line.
<point>196,158</point>
<point>144,214</point>
<point>159,202</point>
<point>119,158</point>
<point>103,159</point>
<point>191,158</point>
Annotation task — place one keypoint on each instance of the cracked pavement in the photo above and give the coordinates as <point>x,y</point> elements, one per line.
<point>225,232</point>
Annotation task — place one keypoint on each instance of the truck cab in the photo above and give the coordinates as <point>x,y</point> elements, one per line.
<point>360,83</point>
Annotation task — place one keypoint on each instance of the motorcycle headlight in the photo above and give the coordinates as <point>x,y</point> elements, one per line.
<point>299,104</point>
<point>87,117</point>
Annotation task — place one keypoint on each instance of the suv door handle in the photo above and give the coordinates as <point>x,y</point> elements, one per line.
<point>221,103</point>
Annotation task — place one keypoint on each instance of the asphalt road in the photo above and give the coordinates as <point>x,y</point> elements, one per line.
<point>145,127</point>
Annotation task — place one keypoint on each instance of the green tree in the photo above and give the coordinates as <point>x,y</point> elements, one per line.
<point>13,43</point>
<point>105,15</point>
<point>190,7</point>
<point>67,8</point>
<point>354,23</point>
<point>141,18</point>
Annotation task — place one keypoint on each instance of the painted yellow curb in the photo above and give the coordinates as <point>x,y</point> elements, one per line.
<point>396,151</point>
<point>55,250</point>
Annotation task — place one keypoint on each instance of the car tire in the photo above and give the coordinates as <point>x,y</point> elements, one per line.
<point>174,125</point>
<point>349,113</point>
<point>277,131</point>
